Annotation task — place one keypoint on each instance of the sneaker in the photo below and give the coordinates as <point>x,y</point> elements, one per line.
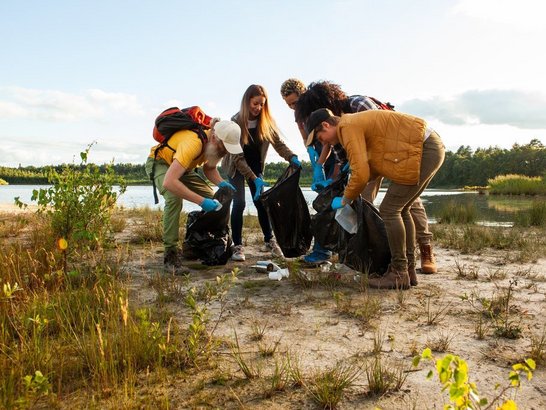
<point>317,257</point>
<point>273,247</point>
<point>238,253</point>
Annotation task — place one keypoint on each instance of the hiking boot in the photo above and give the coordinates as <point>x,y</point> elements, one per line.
<point>238,253</point>
<point>273,247</point>
<point>317,257</point>
<point>172,260</point>
<point>412,275</point>
<point>392,279</point>
<point>428,262</point>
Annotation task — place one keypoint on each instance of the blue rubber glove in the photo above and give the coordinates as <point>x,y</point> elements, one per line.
<point>337,203</point>
<point>319,186</point>
<point>259,183</point>
<point>294,160</point>
<point>313,155</point>
<point>346,167</point>
<point>209,205</point>
<point>318,173</point>
<point>226,184</point>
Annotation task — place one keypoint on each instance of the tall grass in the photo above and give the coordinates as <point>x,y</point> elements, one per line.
<point>455,213</point>
<point>517,185</point>
<point>534,216</point>
<point>75,329</point>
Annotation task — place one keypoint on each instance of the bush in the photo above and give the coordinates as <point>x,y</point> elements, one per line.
<point>517,185</point>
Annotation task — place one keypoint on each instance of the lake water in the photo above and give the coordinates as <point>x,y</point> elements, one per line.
<point>491,209</point>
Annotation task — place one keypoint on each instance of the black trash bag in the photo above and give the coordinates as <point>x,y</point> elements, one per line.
<point>325,228</point>
<point>368,249</point>
<point>207,234</point>
<point>289,214</point>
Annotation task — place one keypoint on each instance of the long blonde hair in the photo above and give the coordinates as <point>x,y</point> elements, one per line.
<point>267,128</point>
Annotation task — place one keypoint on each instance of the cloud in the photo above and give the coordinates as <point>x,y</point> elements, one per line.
<point>519,109</point>
<point>52,105</point>
<point>526,15</point>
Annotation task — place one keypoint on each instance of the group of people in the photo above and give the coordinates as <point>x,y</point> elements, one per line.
<point>340,132</point>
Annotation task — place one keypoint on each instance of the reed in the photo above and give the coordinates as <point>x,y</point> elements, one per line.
<point>512,184</point>
<point>455,213</point>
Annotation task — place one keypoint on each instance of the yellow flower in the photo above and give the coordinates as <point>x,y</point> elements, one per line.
<point>62,244</point>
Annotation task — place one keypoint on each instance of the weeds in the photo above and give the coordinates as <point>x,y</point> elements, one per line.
<point>257,329</point>
<point>434,315</point>
<point>328,388</point>
<point>249,370</point>
<point>538,347</point>
<point>470,273</point>
<point>384,377</point>
<point>441,343</point>
<point>293,362</point>
<point>367,309</point>
<point>454,377</point>
<point>454,213</point>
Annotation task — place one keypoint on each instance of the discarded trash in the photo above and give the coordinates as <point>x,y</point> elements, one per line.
<point>278,274</point>
<point>261,266</point>
<point>347,218</point>
<point>326,266</point>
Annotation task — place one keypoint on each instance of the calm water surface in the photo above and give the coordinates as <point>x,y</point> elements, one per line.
<point>491,209</point>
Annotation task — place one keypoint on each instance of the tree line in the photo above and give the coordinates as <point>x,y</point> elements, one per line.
<point>464,167</point>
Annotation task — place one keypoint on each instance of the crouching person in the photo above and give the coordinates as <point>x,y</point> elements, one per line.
<point>174,175</point>
<point>387,144</point>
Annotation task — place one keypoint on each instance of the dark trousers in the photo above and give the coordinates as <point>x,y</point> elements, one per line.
<point>238,181</point>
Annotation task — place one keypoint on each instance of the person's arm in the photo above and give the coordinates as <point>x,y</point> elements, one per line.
<point>173,184</point>
<point>324,154</point>
<point>355,147</point>
<point>212,174</point>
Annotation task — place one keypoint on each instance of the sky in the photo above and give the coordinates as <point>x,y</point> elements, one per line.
<point>76,72</point>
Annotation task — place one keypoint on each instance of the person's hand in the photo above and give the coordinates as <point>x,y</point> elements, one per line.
<point>259,183</point>
<point>313,155</point>
<point>226,184</point>
<point>294,160</point>
<point>318,173</point>
<point>209,205</point>
<point>346,167</point>
<point>337,203</point>
<point>319,186</point>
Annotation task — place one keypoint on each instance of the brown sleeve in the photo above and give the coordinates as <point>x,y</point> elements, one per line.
<point>352,139</point>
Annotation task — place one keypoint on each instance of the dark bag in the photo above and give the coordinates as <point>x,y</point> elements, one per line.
<point>289,214</point>
<point>368,249</point>
<point>173,120</point>
<point>207,234</point>
<point>325,228</point>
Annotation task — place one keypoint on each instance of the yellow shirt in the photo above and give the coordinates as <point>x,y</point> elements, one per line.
<point>188,150</point>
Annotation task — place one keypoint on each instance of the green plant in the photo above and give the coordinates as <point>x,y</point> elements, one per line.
<point>534,216</point>
<point>454,377</point>
<point>440,343</point>
<point>327,388</point>
<point>368,307</point>
<point>434,315</point>
<point>79,204</point>
<point>538,347</point>
<point>257,329</point>
<point>268,349</point>
<point>249,370</point>
<point>454,213</point>
<point>502,311</point>
<point>472,273</point>
<point>384,377</point>
<point>293,363</point>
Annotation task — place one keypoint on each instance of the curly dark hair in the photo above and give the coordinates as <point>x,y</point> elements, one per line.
<point>320,94</point>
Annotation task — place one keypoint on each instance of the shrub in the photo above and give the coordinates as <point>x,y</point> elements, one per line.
<point>517,185</point>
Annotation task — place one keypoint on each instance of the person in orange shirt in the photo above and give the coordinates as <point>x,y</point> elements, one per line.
<point>390,144</point>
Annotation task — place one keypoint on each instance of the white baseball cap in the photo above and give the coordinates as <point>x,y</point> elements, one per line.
<point>229,133</point>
